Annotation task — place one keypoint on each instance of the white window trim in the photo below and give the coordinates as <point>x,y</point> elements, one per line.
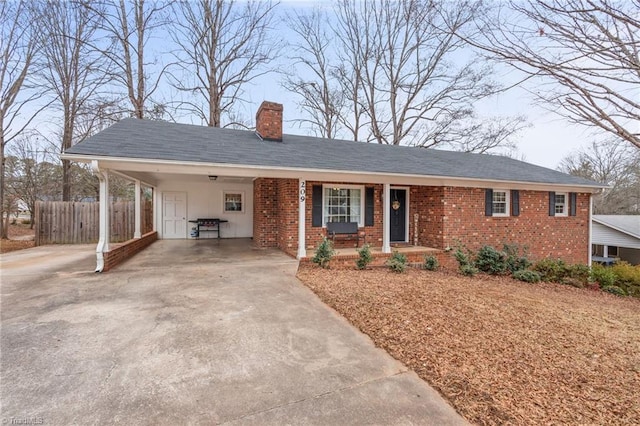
<point>243,200</point>
<point>507,199</point>
<point>566,204</point>
<point>362,197</point>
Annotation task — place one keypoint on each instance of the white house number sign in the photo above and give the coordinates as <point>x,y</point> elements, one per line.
<point>303,191</point>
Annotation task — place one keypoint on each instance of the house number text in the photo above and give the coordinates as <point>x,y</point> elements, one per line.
<point>303,191</point>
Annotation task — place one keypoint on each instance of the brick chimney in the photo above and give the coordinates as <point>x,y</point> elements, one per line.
<point>269,121</point>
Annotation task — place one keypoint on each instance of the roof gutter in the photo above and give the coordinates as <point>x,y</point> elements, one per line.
<point>196,168</point>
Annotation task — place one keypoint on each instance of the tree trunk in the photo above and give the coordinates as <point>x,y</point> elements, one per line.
<point>3,229</point>
<point>66,183</point>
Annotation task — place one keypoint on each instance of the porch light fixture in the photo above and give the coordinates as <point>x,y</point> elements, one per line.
<point>212,178</point>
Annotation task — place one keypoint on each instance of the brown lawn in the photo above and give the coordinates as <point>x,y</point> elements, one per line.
<point>499,350</point>
<point>13,243</point>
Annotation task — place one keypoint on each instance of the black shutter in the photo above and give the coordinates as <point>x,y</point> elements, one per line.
<point>552,203</point>
<point>515,202</point>
<point>573,200</point>
<point>368,207</point>
<point>488,202</point>
<point>316,210</point>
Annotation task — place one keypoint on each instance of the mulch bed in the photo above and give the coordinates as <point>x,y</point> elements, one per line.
<point>16,231</point>
<point>499,350</point>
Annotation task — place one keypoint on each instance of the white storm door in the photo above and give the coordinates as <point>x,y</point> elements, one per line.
<point>174,215</point>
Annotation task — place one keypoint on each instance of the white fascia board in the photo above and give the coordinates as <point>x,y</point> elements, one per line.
<point>221,169</point>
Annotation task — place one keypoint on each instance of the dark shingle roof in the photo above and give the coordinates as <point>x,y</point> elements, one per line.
<point>146,139</point>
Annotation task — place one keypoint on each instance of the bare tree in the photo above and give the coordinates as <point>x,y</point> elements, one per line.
<point>130,25</point>
<point>17,51</point>
<point>223,47</point>
<point>412,88</point>
<point>34,173</point>
<point>72,70</point>
<point>313,80</point>
<point>583,55</point>
<point>400,75</point>
<point>349,35</point>
<point>614,163</point>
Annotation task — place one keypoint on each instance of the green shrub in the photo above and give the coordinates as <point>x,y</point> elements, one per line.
<point>465,265</point>
<point>515,261</point>
<point>579,272</point>
<point>577,275</point>
<point>324,253</point>
<point>430,263</point>
<point>26,221</point>
<point>603,276</point>
<point>491,261</point>
<point>627,273</point>
<point>365,257</point>
<point>613,289</point>
<point>527,276</point>
<point>551,270</point>
<point>627,278</point>
<point>633,290</point>
<point>463,257</point>
<point>468,270</point>
<point>397,262</point>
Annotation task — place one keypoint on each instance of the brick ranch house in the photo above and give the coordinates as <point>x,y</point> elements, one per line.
<point>281,190</point>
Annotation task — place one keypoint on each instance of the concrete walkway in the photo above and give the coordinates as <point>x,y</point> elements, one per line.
<point>192,332</point>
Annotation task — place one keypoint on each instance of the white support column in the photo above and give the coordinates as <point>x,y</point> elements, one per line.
<point>302,198</point>
<point>589,259</point>
<point>386,206</point>
<point>605,251</point>
<point>138,212</point>
<point>105,226</point>
<point>154,206</point>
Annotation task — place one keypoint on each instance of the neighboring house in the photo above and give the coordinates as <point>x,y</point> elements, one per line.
<point>281,190</point>
<point>617,236</point>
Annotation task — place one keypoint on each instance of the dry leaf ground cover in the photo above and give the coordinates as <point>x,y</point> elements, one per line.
<point>501,351</point>
<point>17,231</point>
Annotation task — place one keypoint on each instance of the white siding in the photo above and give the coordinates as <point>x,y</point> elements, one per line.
<point>204,200</point>
<point>603,235</point>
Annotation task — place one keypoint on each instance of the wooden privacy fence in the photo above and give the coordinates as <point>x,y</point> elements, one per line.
<point>69,222</point>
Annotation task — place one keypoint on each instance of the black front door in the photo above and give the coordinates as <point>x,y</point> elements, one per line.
<point>398,214</point>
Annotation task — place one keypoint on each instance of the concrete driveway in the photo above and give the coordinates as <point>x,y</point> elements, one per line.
<point>191,332</point>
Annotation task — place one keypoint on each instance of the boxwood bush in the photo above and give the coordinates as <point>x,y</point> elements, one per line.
<point>430,263</point>
<point>397,262</point>
<point>491,261</point>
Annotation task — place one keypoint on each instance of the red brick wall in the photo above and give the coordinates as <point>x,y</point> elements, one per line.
<point>124,251</point>
<point>265,212</point>
<point>427,201</point>
<point>288,216</point>
<point>447,215</point>
<point>545,236</point>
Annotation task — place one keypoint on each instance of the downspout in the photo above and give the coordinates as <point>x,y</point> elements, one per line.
<point>103,241</point>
